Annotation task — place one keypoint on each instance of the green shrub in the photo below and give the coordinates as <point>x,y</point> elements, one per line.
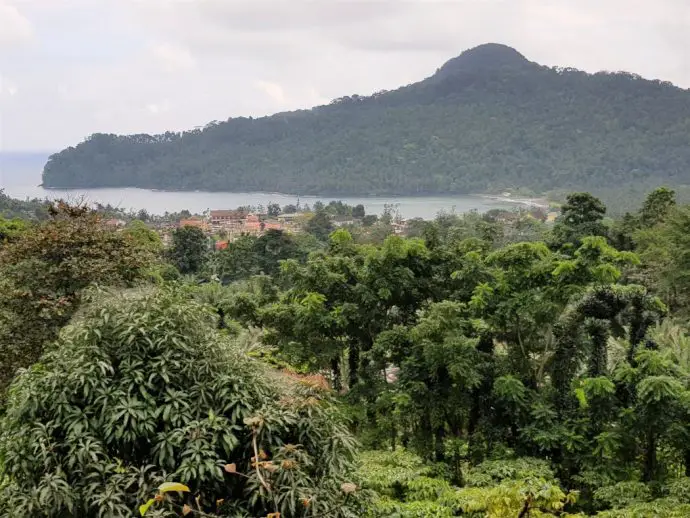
<point>142,389</point>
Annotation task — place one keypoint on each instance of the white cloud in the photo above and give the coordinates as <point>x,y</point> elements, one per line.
<point>273,90</point>
<point>172,57</point>
<point>157,108</point>
<point>15,28</point>
<point>8,89</point>
<point>130,66</point>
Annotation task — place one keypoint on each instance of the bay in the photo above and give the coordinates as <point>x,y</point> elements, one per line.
<point>20,177</point>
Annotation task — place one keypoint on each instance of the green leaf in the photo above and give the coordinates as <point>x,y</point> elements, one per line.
<point>581,397</point>
<point>145,507</point>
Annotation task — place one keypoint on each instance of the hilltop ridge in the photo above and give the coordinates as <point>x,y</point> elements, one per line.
<point>487,119</point>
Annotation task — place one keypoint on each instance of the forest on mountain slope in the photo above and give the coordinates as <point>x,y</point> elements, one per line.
<point>487,120</point>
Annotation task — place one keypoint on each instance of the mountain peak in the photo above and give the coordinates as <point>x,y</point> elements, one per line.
<point>489,56</point>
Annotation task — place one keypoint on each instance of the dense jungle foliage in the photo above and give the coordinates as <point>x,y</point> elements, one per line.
<point>479,366</point>
<point>487,120</point>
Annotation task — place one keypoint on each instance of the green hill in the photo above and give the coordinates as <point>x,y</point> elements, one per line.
<point>487,119</point>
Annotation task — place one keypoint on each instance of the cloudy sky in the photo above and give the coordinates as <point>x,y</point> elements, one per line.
<point>69,68</point>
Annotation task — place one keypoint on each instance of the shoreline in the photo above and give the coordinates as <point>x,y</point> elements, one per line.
<point>539,203</point>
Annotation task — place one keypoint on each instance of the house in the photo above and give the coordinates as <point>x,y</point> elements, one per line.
<point>252,224</point>
<point>272,225</point>
<point>194,222</point>
<point>291,221</point>
<point>343,222</point>
<point>551,216</point>
<point>115,223</point>
<point>399,227</point>
<point>537,213</point>
<point>221,245</point>
<point>289,217</point>
<point>227,219</point>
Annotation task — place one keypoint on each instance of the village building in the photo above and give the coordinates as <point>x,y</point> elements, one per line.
<point>552,215</point>
<point>227,219</point>
<point>115,223</point>
<point>194,222</point>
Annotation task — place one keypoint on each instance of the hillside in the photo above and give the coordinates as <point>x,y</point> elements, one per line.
<point>487,119</point>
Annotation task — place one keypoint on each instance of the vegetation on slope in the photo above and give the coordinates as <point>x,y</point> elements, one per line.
<point>490,368</point>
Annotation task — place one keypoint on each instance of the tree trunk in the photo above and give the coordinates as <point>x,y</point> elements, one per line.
<point>353,364</point>
<point>337,374</point>
<point>440,446</point>
<point>650,458</point>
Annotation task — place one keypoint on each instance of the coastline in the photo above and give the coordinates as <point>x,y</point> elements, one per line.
<point>537,203</point>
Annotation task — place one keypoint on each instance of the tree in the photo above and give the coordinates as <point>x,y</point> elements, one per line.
<point>45,271</point>
<point>189,249</point>
<point>273,210</point>
<point>581,216</point>
<point>237,261</point>
<point>143,238</point>
<point>142,390</point>
<point>665,252</point>
<point>369,220</point>
<point>657,206</point>
<point>320,225</point>
<point>358,211</point>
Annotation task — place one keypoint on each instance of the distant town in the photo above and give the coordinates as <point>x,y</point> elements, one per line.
<point>223,226</point>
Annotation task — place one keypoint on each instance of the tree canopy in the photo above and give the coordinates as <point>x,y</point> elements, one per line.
<point>483,365</point>
<point>142,389</point>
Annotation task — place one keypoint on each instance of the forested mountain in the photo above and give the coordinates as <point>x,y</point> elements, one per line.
<point>487,119</point>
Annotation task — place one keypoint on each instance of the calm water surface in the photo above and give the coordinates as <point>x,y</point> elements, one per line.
<point>21,180</point>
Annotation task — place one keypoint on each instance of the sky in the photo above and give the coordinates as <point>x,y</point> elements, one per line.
<point>70,68</point>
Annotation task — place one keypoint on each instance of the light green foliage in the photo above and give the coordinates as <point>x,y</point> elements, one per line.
<point>492,472</point>
<point>661,508</point>
<point>623,494</point>
<point>665,252</point>
<point>408,489</point>
<point>142,237</point>
<point>11,229</point>
<point>141,389</point>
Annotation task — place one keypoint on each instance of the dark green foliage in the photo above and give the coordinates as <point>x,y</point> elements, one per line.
<point>189,250</point>
<point>522,125</point>
<point>28,209</point>
<point>44,272</point>
<point>494,374</point>
<point>657,206</point>
<point>581,216</point>
<point>143,389</point>
<point>250,255</point>
<point>320,225</point>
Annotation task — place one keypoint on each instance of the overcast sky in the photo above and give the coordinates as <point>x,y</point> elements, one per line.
<point>69,68</point>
